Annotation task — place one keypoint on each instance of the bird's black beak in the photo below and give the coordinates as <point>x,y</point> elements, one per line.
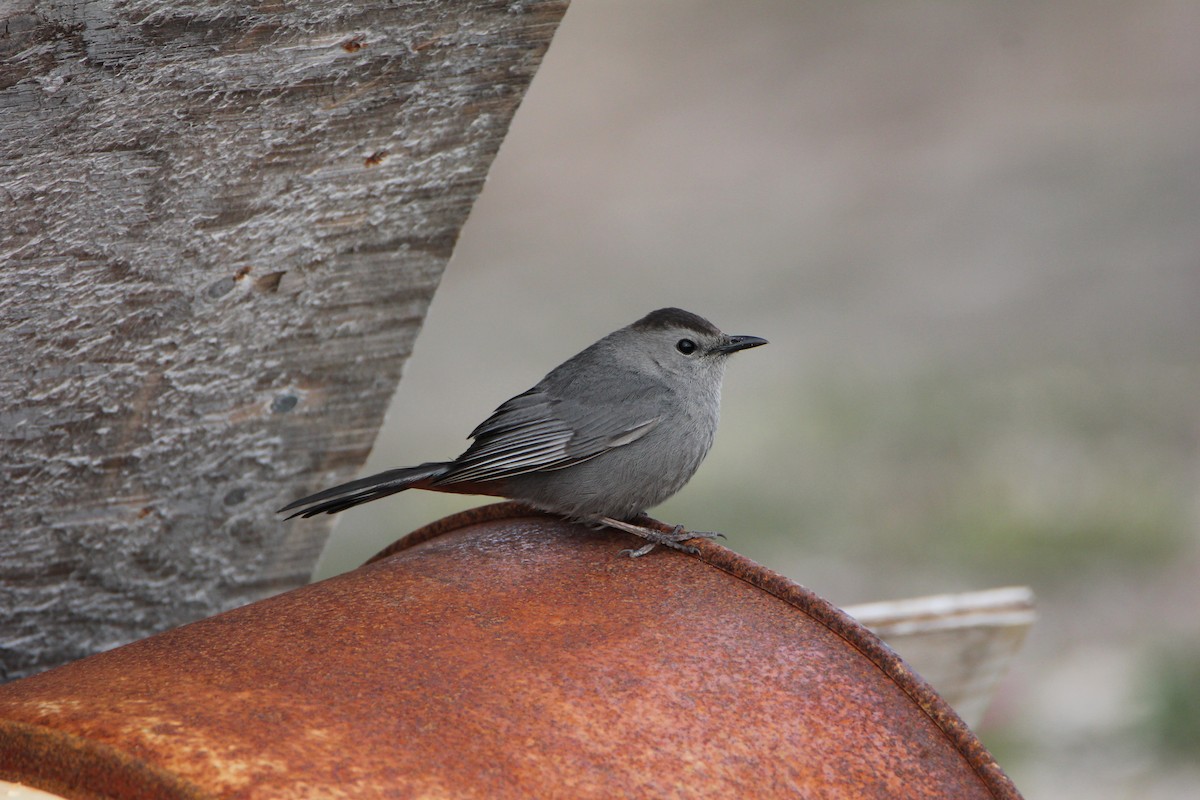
<point>736,343</point>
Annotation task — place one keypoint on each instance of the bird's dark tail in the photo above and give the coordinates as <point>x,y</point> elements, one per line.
<point>363,490</point>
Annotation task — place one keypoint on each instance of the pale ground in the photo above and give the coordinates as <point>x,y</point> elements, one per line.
<point>971,233</point>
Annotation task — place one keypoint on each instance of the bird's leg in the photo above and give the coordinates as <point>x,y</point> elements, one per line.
<point>674,539</point>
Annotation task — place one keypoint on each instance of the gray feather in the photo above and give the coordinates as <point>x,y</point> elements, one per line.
<point>571,416</point>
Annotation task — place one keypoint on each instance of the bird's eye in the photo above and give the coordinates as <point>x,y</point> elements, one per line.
<point>686,346</point>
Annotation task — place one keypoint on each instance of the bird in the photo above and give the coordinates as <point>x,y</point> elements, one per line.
<point>612,431</point>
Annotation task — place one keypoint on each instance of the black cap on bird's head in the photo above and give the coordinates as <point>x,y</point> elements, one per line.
<point>675,318</point>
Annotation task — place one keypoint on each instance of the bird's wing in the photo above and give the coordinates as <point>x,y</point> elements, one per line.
<point>535,432</point>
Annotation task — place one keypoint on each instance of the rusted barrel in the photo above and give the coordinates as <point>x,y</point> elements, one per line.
<point>502,653</point>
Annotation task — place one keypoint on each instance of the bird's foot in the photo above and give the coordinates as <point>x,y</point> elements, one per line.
<point>675,539</point>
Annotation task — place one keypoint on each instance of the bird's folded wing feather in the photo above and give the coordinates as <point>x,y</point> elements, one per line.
<point>536,432</point>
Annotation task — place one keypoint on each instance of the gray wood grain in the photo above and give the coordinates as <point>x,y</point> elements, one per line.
<point>220,227</point>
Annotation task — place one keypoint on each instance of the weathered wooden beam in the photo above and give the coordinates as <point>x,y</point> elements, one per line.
<point>220,227</point>
<point>961,643</point>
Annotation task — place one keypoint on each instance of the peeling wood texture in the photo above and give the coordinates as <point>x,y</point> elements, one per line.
<point>220,227</point>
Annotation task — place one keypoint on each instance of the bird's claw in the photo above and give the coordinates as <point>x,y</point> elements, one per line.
<point>673,539</point>
<point>641,551</point>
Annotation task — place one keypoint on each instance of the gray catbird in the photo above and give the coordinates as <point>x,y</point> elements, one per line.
<point>616,429</point>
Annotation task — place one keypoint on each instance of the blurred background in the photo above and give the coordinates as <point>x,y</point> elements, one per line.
<point>972,234</point>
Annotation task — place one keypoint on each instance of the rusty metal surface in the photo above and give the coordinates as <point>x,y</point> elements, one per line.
<point>502,653</point>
